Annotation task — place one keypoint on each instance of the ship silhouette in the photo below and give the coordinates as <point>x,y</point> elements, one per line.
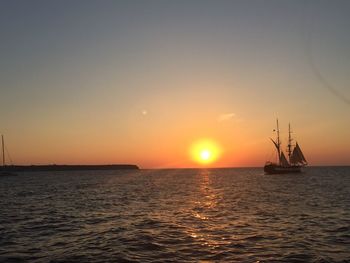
<point>296,159</point>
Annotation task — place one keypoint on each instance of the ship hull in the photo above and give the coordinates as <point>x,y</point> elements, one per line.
<point>277,169</point>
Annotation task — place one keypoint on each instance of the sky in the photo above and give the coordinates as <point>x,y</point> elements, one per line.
<point>97,82</point>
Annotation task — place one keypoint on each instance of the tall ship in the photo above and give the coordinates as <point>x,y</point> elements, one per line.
<point>296,159</point>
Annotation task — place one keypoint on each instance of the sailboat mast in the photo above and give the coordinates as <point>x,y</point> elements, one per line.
<point>3,150</point>
<point>278,144</point>
<point>289,143</point>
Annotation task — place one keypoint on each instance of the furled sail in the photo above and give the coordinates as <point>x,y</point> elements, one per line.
<point>297,156</point>
<point>283,159</point>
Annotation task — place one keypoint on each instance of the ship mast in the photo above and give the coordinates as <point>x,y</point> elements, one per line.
<point>3,150</point>
<point>289,149</point>
<point>278,144</point>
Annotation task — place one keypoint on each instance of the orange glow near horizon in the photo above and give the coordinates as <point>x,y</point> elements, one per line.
<point>205,151</point>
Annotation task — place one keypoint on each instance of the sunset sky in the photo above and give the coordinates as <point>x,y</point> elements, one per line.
<point>96,82</point>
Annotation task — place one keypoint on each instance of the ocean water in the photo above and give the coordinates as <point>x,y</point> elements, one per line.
<point>189,215</point>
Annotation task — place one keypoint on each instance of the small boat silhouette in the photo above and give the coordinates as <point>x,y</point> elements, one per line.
<point>4,171</point>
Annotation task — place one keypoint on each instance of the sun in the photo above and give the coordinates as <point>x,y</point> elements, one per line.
<point>205,151</point>
<point>205,155</point>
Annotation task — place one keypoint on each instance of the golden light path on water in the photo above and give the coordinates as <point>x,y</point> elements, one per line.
<point>201,209</point>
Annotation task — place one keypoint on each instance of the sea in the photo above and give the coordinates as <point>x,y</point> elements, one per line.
<point>176,215</point>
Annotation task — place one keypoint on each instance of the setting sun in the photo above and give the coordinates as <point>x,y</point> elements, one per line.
<point>205,155</point>
<point>205,151</point>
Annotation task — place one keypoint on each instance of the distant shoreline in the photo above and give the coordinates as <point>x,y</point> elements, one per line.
<point>64,167</point>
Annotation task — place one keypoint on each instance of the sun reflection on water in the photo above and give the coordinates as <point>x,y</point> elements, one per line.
<point>203,210</point>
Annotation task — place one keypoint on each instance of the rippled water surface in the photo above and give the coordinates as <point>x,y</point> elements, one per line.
<point>234,215</point>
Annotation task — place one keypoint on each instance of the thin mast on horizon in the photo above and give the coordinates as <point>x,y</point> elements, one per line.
<point>3,150</point>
